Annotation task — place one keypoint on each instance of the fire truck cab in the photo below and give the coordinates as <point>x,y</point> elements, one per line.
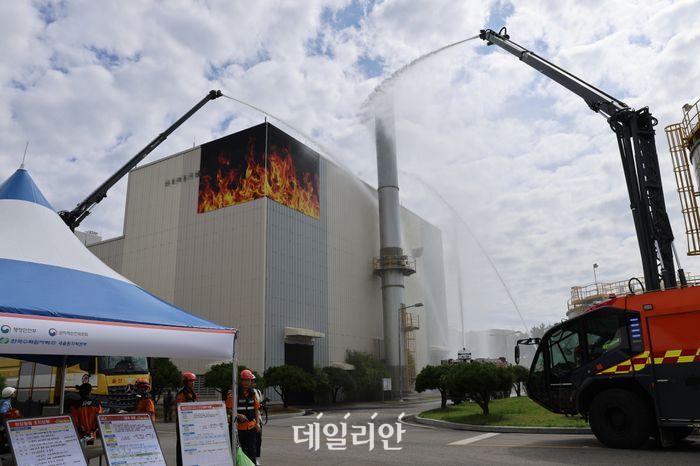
<point>630,365</point>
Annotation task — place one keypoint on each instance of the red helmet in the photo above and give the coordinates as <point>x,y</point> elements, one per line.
<point>188,376</point>
<point>143,382</point>
<point>247,375</point>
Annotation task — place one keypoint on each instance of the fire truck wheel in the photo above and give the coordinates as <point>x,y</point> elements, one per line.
<point>620,419</point>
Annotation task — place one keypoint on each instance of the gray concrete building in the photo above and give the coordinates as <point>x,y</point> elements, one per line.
<point>257,231</point>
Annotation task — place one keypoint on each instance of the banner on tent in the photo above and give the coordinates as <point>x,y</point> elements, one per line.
<point>21,334</point>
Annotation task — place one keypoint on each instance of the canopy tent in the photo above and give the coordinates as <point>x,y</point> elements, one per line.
<point>57,298</point>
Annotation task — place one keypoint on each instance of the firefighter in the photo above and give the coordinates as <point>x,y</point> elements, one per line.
<point>145,404</point>
<point>248,415</point>
<point>185,395</point>
<point>7,412</point>
<point>84,413</point>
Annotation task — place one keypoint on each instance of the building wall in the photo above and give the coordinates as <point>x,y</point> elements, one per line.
<point>260,266</point>
<point>210,264</point>
<point>111,252</point>
<point>354,292</point>
<point>151,227</point>
<point>220,269</point>
<point>296,280</point>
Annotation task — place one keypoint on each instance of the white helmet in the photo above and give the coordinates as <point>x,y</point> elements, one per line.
<point>7,392</point>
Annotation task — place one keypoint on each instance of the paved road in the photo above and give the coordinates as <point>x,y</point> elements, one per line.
<point>424,445</point>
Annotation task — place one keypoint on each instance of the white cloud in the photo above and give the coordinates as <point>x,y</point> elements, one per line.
<point>528,166</point>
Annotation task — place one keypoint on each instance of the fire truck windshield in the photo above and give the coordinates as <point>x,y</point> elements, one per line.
<point>123,365</point>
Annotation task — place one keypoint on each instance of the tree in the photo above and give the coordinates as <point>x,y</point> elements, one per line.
<point>433,378</point>
<point>322,388</point>
<point>538,331</point>
<point>367,375</point>
<point>164,374</point>
<point>338,380</point>
<point>220,377</point>
<point>519,374</point>
<point>479,381</point>
<point>288,379</point>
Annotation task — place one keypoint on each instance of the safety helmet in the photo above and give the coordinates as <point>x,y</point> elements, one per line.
<point>188,376</point>
<point>143,382</point>
<point>7,392</point>
<point>247,375</point>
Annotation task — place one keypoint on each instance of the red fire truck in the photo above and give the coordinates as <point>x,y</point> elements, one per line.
<point>630,365</point>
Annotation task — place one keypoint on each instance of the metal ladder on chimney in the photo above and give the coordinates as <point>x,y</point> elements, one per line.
<point>684,180</point>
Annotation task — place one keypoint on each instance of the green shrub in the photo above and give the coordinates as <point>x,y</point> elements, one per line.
<point>367,376</point>
<point>519,374</point>
<point>286,380</point>
<point>434,378</point>
<point>479,381</point>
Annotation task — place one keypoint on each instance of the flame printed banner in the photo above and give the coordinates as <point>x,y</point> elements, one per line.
<point>237,169</point>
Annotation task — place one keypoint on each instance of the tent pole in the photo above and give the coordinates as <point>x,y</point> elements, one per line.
<point>234,398</point>
<point>63,384</point>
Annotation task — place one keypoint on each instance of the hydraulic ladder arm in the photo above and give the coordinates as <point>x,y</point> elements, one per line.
<point>637,146</point>
<point>74,217</point>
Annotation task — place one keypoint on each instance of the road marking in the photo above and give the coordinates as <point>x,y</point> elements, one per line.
<point>491,445</point>
<point>469,440</point>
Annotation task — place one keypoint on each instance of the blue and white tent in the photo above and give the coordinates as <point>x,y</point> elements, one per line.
<point>57,298</point>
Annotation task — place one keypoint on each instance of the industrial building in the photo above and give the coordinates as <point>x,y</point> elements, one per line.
<point>257,231</point>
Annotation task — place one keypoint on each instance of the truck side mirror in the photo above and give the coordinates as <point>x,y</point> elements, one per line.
<point>517,354</point>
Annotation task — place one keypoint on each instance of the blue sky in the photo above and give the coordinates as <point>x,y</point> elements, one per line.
<point>533,172</point>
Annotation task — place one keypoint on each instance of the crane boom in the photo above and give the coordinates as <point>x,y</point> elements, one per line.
<point>637,146</point>
<point>74,217</point>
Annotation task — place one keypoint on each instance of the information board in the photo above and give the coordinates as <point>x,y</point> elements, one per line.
<point>130,439</point>
<point>204,437</point>
<point>45,441</point>
<point>386,383</point>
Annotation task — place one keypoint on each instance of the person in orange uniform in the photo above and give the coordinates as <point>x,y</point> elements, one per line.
<point>185,395</point>
<point>247,415</point>
<point>145,404</point>
<point>84,413</point>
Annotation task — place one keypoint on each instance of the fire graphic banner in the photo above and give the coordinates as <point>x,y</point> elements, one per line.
<point>237,169</point>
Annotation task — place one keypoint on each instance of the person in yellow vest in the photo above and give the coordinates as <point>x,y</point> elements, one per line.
<point>145,403</point>
<point>248,415</point>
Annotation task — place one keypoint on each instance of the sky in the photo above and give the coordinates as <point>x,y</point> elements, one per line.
<point>503,160</point>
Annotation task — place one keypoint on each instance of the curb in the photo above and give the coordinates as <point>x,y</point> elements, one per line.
<point>502,429</point>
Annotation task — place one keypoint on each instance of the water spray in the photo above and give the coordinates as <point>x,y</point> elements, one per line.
<point>396,75</point>
<point>457,215</point>
<point>318,145</point>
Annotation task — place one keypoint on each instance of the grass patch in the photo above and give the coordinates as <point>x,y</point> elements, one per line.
<point>517,411</point>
